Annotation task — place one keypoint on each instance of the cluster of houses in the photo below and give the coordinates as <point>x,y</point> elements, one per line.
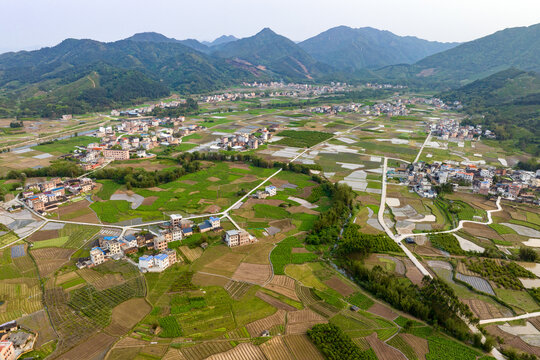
<point>132,139</point>
<point>15,341</point>
<point>148,109</point>
<point>116,248</point>
<point>176,229</point>
<point>46,196</point>
<point>270,190</point>
<point>452,130</point>
<point>515,185</point>
<point>244,141</point>
<point>294,89</point>
<point>227,97</point>
<point>384,86</point>
<point>398,108</point>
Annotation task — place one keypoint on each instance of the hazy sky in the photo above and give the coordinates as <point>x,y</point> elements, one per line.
<point>29,24</point>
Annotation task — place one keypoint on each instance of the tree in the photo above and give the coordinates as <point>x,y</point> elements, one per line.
<point>527,254</point>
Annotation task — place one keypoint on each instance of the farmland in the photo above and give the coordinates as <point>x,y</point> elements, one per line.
<point>322,279</point>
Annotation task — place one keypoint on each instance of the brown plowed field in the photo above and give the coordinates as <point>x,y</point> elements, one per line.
<point>419,345</point>
<point>340,286</point>
<point>383,311</point>
<point>298,322</point>
<point>481,231</point>
<point>208,280</point>
<point>92,349</point>
<point>127,315</point>
<point>206,349</point>
<point>244,351</point>
<point>252,273</point>
<point>149,200</point>
<point>257,327</point>
<point>275,349</point>
<point>283,285</point>
<point>302,348</point>
<point>413,273</point>
<point>49,260</point>
<point>484,310</point>
<point>274,302</point>
<point>383,351</point>
<point>43,235</point>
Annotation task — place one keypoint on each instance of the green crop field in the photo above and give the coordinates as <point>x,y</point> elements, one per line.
<point>56,242</point>
<point>360,300</point>
<point>65,146</point>
<point>192,193</point>
<point>108,187</point>
<point>282,255</point>
<point>299,138</point>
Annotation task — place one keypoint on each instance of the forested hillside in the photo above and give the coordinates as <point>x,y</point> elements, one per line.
<point>507,102</point>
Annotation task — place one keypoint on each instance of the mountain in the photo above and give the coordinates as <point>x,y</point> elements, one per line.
<point>159,38</point>
<point>514,47</point>
<point>223,39</point>
<point>269,51</point>
<point>155,62</point>
<point>353,49</point>
<point>508,102</point>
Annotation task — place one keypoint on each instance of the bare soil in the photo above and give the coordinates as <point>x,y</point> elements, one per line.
<point>382,350</point>
<point>127,315</point>
<point>340,286</point>
<point>383,311</point>
<point>252,273</point>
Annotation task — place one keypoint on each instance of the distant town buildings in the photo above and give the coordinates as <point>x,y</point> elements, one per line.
<point>48,195</point>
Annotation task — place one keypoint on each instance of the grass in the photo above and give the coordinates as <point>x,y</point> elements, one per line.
<point>265,211</point>
<point>108,187</point>
<point>170,327</point>
<point>301,138</point>
<point>192,137</point>
<point>65,146</point>
<point>56,242</point>
<point>282,255</point>
<point>517,298</point>
<point>360,300</point>
<point>8,238</point>
<point>304,274</point>
<point>501,229</point>
<point>72,283</point>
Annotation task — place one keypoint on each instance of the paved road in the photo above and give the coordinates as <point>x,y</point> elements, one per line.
<point>422,148</point>
<point>518,317</point>
<point>389,232</point>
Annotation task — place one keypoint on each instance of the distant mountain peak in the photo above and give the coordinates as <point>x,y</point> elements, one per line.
<point>349,48</point>
<point>150,36</point>
<point>223,39</point>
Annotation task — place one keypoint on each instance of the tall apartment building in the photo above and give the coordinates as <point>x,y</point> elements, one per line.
<point>237,238</point>
<point>116,154</point>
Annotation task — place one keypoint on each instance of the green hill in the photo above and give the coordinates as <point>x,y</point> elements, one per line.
<point>515,47</point>
<point>268,51</point>
<point>346,48</point>
<point>507,102</point>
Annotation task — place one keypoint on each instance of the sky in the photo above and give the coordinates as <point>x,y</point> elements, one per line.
<point>31,24</point>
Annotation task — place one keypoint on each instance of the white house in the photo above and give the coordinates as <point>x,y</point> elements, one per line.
<point>161,261</point>
<point>146,261</point>
<point>271,190</point>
